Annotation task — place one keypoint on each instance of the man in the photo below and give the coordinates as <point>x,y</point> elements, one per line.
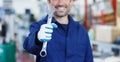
<point>68,42</point>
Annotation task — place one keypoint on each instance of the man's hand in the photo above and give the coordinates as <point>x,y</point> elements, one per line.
<point>45,32</point>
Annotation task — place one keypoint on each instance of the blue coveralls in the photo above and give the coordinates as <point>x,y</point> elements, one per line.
<point>70,46</point>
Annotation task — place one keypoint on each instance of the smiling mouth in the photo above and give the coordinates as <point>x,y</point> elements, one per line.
<point>60,8</point>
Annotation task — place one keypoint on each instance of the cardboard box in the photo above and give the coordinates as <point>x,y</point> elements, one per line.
<point>106,34</point>
<point>118,13</point>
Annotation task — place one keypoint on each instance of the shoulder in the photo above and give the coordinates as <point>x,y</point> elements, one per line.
<point>80,27</point>
<point>35,26</point>
<point>83,34</point>
<point>38,23</point>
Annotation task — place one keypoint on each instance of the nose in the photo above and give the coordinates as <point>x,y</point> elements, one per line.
<point>61,2</point>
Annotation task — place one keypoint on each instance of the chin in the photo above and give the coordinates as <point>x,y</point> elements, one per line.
<point>60,14</point>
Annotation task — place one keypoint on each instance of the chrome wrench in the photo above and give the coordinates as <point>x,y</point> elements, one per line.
<point>51,10</point>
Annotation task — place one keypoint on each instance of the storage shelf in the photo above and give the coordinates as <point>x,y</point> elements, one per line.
<point>105,47</point>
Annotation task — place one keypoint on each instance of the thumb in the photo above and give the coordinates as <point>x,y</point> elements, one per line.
<point>54,25</point>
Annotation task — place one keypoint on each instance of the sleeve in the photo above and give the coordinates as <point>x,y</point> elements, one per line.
<point>89,55</point>
<point>31,43</point>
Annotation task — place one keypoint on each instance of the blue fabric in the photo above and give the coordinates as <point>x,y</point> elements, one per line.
<point>73,47</point>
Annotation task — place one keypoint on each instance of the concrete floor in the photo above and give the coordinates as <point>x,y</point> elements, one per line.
<point>24,57</point>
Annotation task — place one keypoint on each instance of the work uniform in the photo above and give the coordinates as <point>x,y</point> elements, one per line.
<point>69,43</point>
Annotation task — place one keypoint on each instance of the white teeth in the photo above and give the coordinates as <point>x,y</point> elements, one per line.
<point>61,8</point>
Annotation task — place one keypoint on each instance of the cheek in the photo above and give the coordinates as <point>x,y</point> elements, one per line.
<point>53,3</point>
<point>68,3</point>
<point>68,6</point>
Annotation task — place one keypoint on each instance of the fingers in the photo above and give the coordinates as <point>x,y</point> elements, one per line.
<point>45,32</point>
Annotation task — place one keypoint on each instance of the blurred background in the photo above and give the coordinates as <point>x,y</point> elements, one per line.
<point>101,18</point>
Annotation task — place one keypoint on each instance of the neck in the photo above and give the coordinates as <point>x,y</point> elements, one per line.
<point>62,20</point>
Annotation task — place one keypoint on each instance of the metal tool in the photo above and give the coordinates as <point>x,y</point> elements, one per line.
<point>51,10</point>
